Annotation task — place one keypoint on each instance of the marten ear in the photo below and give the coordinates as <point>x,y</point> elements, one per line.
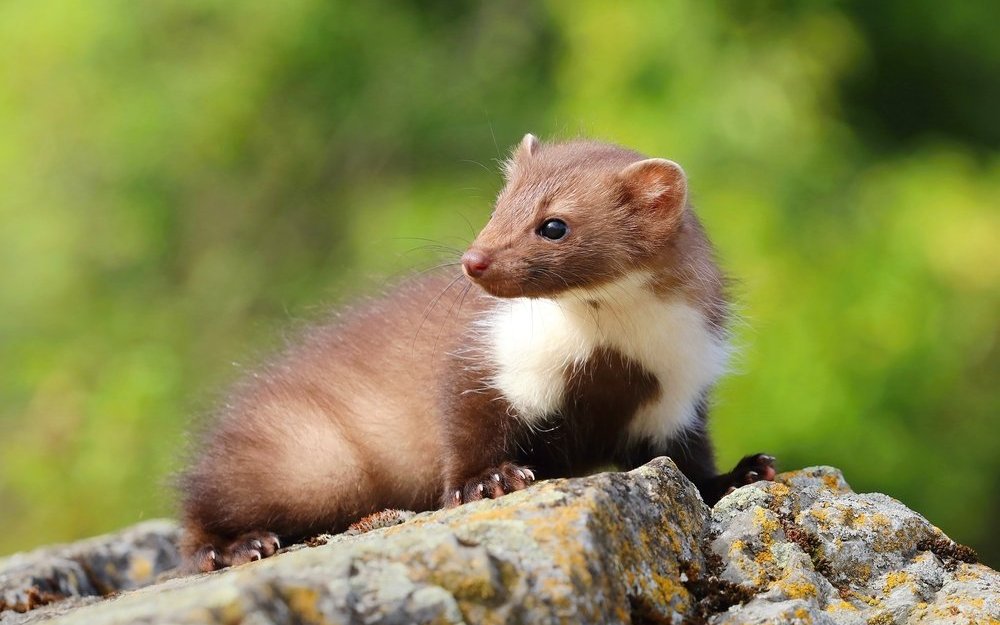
<point>656,184</point>
<point>522,153</point>
<point>529,145</point>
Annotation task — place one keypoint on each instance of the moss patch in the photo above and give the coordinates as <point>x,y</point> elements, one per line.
<point>712,594</point>
<point>949,552</point>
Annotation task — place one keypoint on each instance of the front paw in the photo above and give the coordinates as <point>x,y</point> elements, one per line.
<point>249,547</point>
<point>490,484</point>
<point>754,468</point>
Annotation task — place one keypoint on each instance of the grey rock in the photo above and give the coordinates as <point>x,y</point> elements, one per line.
<point>87,570</point>
<point>763,611</point>
<point>637,547</point>
<point>821,553</point>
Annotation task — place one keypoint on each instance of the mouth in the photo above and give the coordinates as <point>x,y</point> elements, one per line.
<point>499,288</point>
<point>509,287</point>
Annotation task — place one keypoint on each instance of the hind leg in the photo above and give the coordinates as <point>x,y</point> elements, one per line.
<point>248,547</point>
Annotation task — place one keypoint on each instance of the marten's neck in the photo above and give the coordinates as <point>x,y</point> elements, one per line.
<point>645,318</point>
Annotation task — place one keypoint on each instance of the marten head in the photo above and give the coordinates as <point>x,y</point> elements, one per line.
<point>577,214</point>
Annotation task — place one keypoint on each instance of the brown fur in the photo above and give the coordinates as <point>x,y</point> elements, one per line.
<point>339,426</point>
<point>616,227</point>
<point>389,406</point>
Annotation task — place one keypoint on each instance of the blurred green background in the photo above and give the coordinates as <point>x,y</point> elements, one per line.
<point>181,182</point>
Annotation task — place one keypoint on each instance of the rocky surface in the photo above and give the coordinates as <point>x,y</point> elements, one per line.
<point>89,570</point>
<point>636,547</point>
<point>818,553</point>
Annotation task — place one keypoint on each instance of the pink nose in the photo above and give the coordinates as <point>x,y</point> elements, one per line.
<point>475,263</point>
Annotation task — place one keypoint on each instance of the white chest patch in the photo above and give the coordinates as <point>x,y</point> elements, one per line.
<point>535,342</point>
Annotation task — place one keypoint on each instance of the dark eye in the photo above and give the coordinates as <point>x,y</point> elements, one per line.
<point>553,229</point>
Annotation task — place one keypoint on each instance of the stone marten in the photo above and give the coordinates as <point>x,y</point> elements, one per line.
<point>588,330</point>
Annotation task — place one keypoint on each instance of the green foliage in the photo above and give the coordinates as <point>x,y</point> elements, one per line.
<point>178,180</point>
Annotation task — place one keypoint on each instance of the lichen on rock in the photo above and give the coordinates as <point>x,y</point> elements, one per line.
<point>85,571</point>
<point>809,543</point>
<point>636,547</point>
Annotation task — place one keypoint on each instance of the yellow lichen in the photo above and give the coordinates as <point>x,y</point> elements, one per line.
<point>302,602</point>
<point>475,588</point>
<point>850,515</point>
<point>882,618</point>
<point>831,482</point>
<point>862,572</point>
<point>562,524</point>
<point>798,590</point>
<point>889,542</point>
<point>780,492</point>
<point>880,519</point>
<point>472,582</point>
<point>820,514</point>
<point>766,521</point>
<point>841,605</point>
<point>779,489</point>
<point>768,524</point>
<point>895,579</point>
<point>764,558</point>
<point>965,573</point>
<point>141,569</point>
<point>231,613</point>
<point>872,601</point>
<point>666,589</point>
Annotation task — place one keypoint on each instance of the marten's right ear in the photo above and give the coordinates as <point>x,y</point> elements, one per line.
<point>522,153</point>
<point>529,145</point>
<point>656,184</point>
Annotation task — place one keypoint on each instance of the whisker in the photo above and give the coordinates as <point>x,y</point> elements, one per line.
<point>469,160</point>
<point>494,136</point>
<point>472,229</point>
<point>430,306</point>
<point>465,291</point>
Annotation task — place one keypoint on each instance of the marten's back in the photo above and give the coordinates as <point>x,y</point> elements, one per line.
<point>342,424</point>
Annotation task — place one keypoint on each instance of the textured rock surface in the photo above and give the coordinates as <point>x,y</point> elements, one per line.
<point>819,553</point>
<point>88,570</point>
<point>635,547</point>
